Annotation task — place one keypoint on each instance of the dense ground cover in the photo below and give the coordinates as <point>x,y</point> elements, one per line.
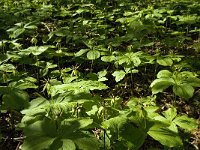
<point>85,74</point>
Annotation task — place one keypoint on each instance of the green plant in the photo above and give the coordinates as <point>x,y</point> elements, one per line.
<point>76,74</point>
<point>183,83</point>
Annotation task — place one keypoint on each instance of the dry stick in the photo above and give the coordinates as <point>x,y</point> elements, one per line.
<point>46,26</point>
<point>18,146</point>
<point>19,138</point>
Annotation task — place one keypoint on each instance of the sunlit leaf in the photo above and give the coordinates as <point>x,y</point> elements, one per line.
<point>186,122</point>
<point>183,90</point>
<point>119,75</point>
<point>93,54</point>
<point>165,136</point>
<point>161,84</point>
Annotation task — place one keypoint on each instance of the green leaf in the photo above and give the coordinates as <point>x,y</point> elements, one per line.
<point>186,123</point>
<point>133,137</point>
<point>68,145</point>
<point>159,85</point>
<point>73,124</point>
<point>119,75</point>
<point>115,124</point>
<point>165,136</point>
<point>170,113</point>
<point>62,144</point>
<point>17,33</point>
<point>87,143</point>
<point>36,106</point>
<point>164,61</point>
<point>62,32</point>
<point>39,135</point>
<point>45,127</point>
<point>14,98</point>
<point>35,50</point>
<point>4,58</point>
<point>101,75</point>
<point>108,58</point>
<point>23,84</point>
<point>93,54</point>
<point>81,52</point>
<point>164,74</point>
<point>7,68</point>
<point>183,90</point>
<point>193,81</point>
<point>80,86</point>
<point>37,142</point>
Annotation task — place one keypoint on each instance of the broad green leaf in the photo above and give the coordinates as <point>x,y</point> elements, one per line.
<point>23,84</point>
<point>17,32</point>
<point>115,124</point>
<point>7,68</point>
<point>87,143</point>
<point>187,74</point>
<point>193,81</point>
<point>119,75</point>
<point>35,50</point>
<point>164,61</point>
<point>186,122</point>
<point>164,135</point>
<point>93,54</point>
<point>39,135</point>
<point>81,52</point>
<point>62,144</point>
<point>37,142</point>
<point>102,79</point>
<point>108,58</point>
<point>159,85</point>
<point>73,124</point>
<point>139,117</point>
<point>67,145</point>
<point>38,50</point>
<point>14,98</point>
<point>93,110</point>
<point>30,27</point>
<point>133,137</point>
<point>36,106</point>
<point>164,74</point>
<point>183,90</point>
<point>80,86</point>
<point>170,113</point>
<point>123,59</point>
<point>162,119</point>
<point>136,60</point>
<point>64,31</point>
<point>4,58</point>
<point>102,73</point>
<point>45,127</point>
